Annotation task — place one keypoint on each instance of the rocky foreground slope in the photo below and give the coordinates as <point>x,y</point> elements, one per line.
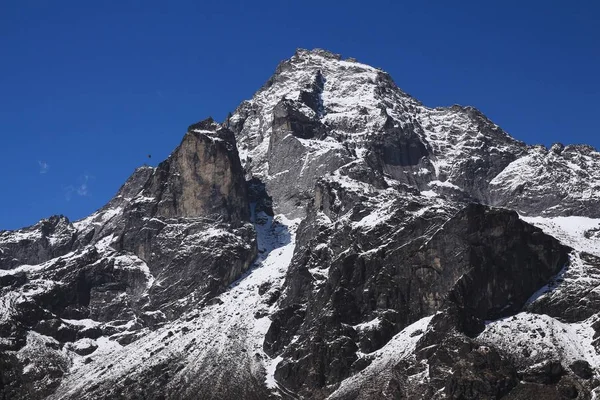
<point>332,239</point>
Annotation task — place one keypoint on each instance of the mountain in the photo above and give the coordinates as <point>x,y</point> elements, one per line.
<point>334,238</point>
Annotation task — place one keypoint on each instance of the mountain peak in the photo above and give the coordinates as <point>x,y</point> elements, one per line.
<point>333,224</point>
<point>306,54</point>
<point>207,124</point>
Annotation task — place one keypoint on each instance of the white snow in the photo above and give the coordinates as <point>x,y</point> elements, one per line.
<point>545,337</point>
<point>570,231</point>
<point>372,324</point>
<point>446,184</point>
<point>103,244</point>
<point>18,236</point>
<point>429,193</point>
<point>86,323</point>
<point>204,131</point>
<point>270,366</point>
<point>23,268</point>
<point>377,216</point>
<point>572,174</point>
<point>398,348</point>
<point>143,199</point>
<point>98,218</point>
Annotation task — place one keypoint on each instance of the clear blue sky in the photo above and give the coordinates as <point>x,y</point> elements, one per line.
<point>88,89</point>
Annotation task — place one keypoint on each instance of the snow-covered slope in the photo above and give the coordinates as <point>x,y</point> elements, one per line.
<point>228,331</point>
<point>557,182</point>
<point>579,232</point>
<point>373,379</point>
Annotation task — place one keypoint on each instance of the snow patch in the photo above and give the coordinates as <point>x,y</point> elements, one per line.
<point>545,337</point>
<point>398,348</point>
<point>571,231</point>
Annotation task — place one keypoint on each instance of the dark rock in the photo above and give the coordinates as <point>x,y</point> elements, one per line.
<point>582,369</point>
<point>478,247</point>
<point>549,372</point>
<point>15,280</point>
<point>479,374</point>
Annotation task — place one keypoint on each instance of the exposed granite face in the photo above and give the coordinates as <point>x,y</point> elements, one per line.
<point>333,238</point>
<point>295,168</point>
<point>399,152</point>
<point>202,178</point>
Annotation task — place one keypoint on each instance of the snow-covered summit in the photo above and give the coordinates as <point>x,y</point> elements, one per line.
<point>339,111</point>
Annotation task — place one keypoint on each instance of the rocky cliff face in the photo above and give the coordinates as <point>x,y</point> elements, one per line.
<point>172,238</point>
<point>334,238</point>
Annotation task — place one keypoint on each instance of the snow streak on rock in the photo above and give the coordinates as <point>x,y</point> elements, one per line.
<point>230,331</point>
<point>400,347</point>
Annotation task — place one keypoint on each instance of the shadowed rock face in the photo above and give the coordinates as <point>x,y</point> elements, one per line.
<point>287,119</point>
<point>52,237</point>
<point>399,152</point>
<point>332,239</point>
<point>482,263</point>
